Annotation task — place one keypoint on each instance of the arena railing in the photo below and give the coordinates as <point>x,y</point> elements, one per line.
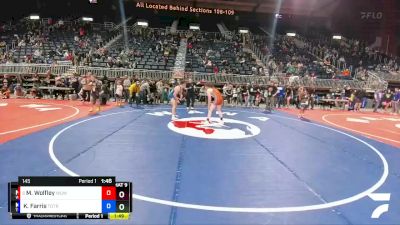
<point>228,78</point>
<point>375,81</point>
<point>121,72</point>
<point>386,76</point>
<point>23,68</point>
<point>309,82</point>
<point>113,73</point>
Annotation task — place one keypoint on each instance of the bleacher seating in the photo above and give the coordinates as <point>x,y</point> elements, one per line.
<point>223,54</point>
<point>207,53</point>
<point>154,52</point>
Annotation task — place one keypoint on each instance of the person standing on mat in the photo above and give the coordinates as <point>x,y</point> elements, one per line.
<point>175,95</point>
<point>214,94</point>
<point>119,92</point>
<point>190,95</point>
<point>86,88</point>
<point>304,99</point>
<point>95,92</point>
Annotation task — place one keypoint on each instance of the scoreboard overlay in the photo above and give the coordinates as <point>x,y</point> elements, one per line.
<point>69,198</point>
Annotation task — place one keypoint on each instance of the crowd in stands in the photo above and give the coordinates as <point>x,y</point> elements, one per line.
<point>323,57</point>
<point>155,49</point>
<point>146,49</point>
<point>220,55</point>
<point>31,42</point>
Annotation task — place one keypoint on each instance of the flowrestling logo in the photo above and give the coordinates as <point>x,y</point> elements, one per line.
<point>231,129</point>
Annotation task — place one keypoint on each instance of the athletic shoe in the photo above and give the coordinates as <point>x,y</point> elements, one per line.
<point>174,117</point>
<point>207,122</point>
<point>221,122</point>
<point>187,108</point>
<point>191,108</point>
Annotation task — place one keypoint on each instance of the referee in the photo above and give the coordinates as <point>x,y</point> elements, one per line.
<point>190,95</point>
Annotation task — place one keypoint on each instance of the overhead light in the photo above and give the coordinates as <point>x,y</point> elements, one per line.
<point>291,34</point>
<point>194,27</point>
<point>34,17</point>
<point>88,19</point>
<point>278,16</point>
<point>243,30</point>
<point>142,23</point>
<point>337,37</point>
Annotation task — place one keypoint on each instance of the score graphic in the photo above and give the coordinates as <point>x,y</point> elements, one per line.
<point>69,198</point>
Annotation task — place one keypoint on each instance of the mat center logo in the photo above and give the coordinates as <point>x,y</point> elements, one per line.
<point>231,129</point>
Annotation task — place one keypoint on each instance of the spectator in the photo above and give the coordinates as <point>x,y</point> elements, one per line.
<point>126,83</point>
<point>18,91</point>
<point>252,96</point>
<point>5,92</point>
<point>269,98</point>
<point>95,92</point>
<point>86,88</point>
<point>119,92</point>
<point>134,91</point>
<point>144,91</point>
<point>377,99</point>
<point>396,101</point>
<point>387,100</point>
<point>190,95</point>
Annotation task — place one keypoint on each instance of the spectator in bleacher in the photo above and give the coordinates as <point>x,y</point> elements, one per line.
<point>215,69</point>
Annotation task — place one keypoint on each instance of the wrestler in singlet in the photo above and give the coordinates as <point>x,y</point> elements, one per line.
<point>214,93</point>
<point>175,96</point>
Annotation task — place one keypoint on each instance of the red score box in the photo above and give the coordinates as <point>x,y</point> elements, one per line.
<point>108,193</point>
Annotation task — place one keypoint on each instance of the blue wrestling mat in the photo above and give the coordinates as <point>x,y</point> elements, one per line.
<point>256,168</point>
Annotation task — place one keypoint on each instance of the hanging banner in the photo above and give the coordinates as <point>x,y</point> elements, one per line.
<point>187,9</point>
